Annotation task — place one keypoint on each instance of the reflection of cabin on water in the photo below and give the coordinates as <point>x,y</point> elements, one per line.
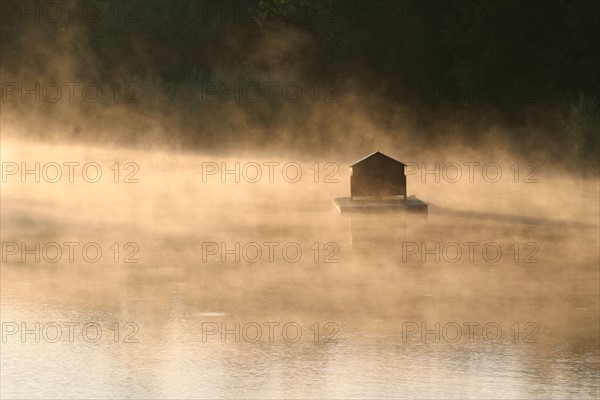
<point>377,176</point>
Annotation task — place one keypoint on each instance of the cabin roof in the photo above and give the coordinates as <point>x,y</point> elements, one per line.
<point>375,153</point>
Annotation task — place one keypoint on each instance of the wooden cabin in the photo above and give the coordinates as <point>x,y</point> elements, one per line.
<point>378,184</point>
<point>377,176</point>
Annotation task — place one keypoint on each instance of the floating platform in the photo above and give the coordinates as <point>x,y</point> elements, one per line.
<point>411,204</point>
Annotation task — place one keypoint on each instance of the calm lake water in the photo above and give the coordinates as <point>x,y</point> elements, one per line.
<point>211,289</point>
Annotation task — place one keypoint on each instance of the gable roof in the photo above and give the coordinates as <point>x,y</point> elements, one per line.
<point>375,153</point>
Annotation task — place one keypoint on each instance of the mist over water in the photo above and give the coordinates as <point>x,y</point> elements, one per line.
<point>367,278</point>
<point>168,176</point>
